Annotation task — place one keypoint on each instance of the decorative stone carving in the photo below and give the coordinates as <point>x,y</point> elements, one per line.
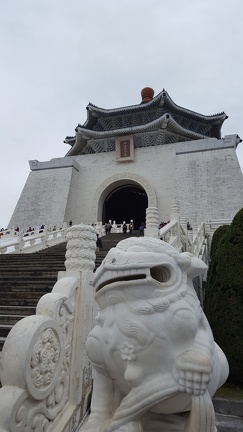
<point>81,248</point>
<point>175,210</point>
<point>39,360</point>
<point>36,363</point>
<point>152,222</point>
<point>155,362</point>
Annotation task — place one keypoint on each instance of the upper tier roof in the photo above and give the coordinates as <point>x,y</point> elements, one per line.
<point>158,113</point>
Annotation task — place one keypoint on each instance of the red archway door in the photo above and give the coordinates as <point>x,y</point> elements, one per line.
<point>125,203</point>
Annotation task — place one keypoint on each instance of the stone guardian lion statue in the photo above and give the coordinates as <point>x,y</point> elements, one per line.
<point>155,363</point>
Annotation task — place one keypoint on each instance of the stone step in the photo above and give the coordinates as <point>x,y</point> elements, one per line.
<point>31,302</point>
<point>38,264</point>
<point>10,319</point>
<point>23,298</point>
<point>32,279</point>
<point>31,257</point>
<point>26,277</point>
<point>17,310</point>
<point>37,286</point>
<point>33,293</point>
<point>5,329</point>
<point>27,285</point>
<point>2,340</point>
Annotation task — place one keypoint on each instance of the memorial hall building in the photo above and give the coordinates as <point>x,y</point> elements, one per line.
<point>124,160</point>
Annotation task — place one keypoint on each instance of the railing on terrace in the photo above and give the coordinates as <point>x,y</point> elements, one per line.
<point>44,371</point>
<point>194,240</point>
<point>187,241</point>
<point>12,241</point>
<point>175,233</point>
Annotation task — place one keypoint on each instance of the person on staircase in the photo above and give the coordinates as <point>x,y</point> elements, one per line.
<point>131,227</point>
<point>107,228</point>
<point>98,243</point>
<point>141,229</point>
<point>124,228</point>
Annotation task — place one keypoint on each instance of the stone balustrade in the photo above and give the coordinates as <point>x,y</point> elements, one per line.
<point>175,233</point>
<point>33,241</point>
<point>45,374</point>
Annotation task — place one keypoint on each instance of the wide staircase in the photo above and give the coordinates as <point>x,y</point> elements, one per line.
<point>24,278</point>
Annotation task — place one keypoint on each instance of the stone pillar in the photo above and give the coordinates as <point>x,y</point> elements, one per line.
<point>175,210</point>
<point>100,229</point>
<point>175,216</point>
<point>194,230</point>
<point>48,384</point>
<point>81,247</point>
<point>152,222</point>
<point>183,223</point>
<point>18,247</point>
<point>190,236</point>
<point>184,226</point>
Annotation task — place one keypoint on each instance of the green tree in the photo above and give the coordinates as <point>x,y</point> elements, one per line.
<point>224,293</point>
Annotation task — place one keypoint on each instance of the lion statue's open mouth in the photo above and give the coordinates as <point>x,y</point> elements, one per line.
<point>143,258</point>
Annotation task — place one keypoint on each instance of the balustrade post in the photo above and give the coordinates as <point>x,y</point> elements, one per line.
<point>64,230</point>
<point>81,247</point>
<point>55,398</point>
<point>195,232</point>
<point>44,239</point>
<point>114,227</point>
<point>190,237</point>
<point>175,215</point>
<point>184,226</point>
<point>18,247</point>
<point>80,257</point>
<point>152,222</point>
<point>99,229</point>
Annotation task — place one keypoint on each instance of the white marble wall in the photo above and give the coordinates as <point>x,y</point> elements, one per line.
<point>47,198</point>
<point>209,184</point>
<point>204,175</point>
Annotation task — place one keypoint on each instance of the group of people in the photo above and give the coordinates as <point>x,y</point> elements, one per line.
<point>188,225</point>
<point>125,228</point>
<point>2,231</point>
<point>131,228</point>
<point>162,224</point>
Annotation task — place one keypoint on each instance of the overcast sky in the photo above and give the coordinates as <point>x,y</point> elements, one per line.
<point>59,55</point>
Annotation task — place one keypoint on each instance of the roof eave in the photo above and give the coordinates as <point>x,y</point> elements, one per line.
<point>166,121</point>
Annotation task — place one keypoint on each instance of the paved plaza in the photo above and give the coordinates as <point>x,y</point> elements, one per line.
<point>226,423</point>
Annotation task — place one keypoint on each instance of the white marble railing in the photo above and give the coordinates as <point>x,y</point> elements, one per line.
<point>175,233</point>
<point>212,225</point>
<point>169,234</point>
<point>45,374</point>
<point>28,242</point>
<point>194,240</point>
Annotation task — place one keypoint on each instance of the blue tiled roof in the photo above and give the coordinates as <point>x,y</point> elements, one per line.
<point>159,113</point>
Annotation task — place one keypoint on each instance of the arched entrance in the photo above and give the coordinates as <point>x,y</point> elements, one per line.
<point>124,203</point>
<point>111,185</point>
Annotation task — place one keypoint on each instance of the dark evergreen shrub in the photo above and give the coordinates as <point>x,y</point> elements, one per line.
<point>224,293</point>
